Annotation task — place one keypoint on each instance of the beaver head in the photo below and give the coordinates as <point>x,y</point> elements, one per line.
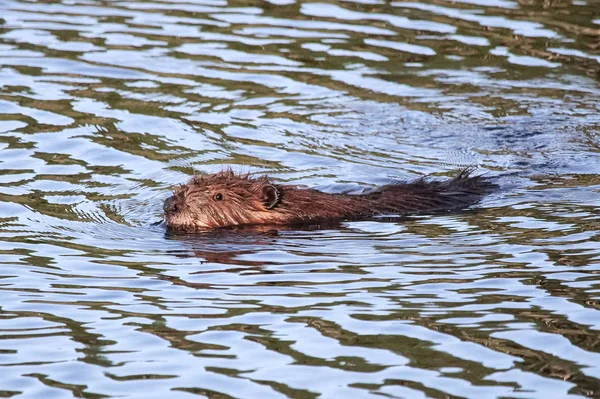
<point>222,199</point>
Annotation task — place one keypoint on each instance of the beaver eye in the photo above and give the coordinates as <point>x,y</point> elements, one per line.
<point>218,197</point>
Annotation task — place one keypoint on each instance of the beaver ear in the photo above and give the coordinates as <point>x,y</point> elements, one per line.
<point>271,196</point>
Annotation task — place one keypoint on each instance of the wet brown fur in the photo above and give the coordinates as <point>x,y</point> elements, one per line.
<point>247,200</point>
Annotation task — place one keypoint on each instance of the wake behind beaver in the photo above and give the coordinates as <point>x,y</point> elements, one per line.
<point>228,199</point>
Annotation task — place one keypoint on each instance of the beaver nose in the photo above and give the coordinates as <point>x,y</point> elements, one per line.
<point>171,205</point>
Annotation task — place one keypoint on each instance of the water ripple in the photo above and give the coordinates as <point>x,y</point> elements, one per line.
<point>106,107</point>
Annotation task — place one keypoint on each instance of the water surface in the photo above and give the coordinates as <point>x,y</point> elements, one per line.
<point>105,106</point>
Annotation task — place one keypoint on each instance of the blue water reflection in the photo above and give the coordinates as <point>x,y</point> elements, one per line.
<point>106,107</point>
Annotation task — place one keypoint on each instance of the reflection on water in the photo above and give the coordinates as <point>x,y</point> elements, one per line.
<point>104,106</point>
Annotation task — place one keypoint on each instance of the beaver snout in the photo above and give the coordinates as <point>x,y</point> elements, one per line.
<point>171,205</point>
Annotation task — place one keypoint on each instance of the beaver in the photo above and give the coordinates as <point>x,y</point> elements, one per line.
<point>229,199</point>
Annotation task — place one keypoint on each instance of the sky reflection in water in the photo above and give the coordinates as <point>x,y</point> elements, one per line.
<point>105,106</point>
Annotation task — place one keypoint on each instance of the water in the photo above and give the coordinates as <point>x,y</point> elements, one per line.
<point>105,106</point>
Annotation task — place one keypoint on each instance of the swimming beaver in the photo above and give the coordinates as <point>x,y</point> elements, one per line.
<point>228,199</point>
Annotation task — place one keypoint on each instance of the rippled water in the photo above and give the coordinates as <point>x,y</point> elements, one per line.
<point>105,105</point>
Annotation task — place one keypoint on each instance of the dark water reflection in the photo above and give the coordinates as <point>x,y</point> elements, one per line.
<point>105,105</point>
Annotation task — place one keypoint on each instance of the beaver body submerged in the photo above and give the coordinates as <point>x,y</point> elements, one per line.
<point>227,199</point>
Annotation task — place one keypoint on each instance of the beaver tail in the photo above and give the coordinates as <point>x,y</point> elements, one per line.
<point>423,196</point>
